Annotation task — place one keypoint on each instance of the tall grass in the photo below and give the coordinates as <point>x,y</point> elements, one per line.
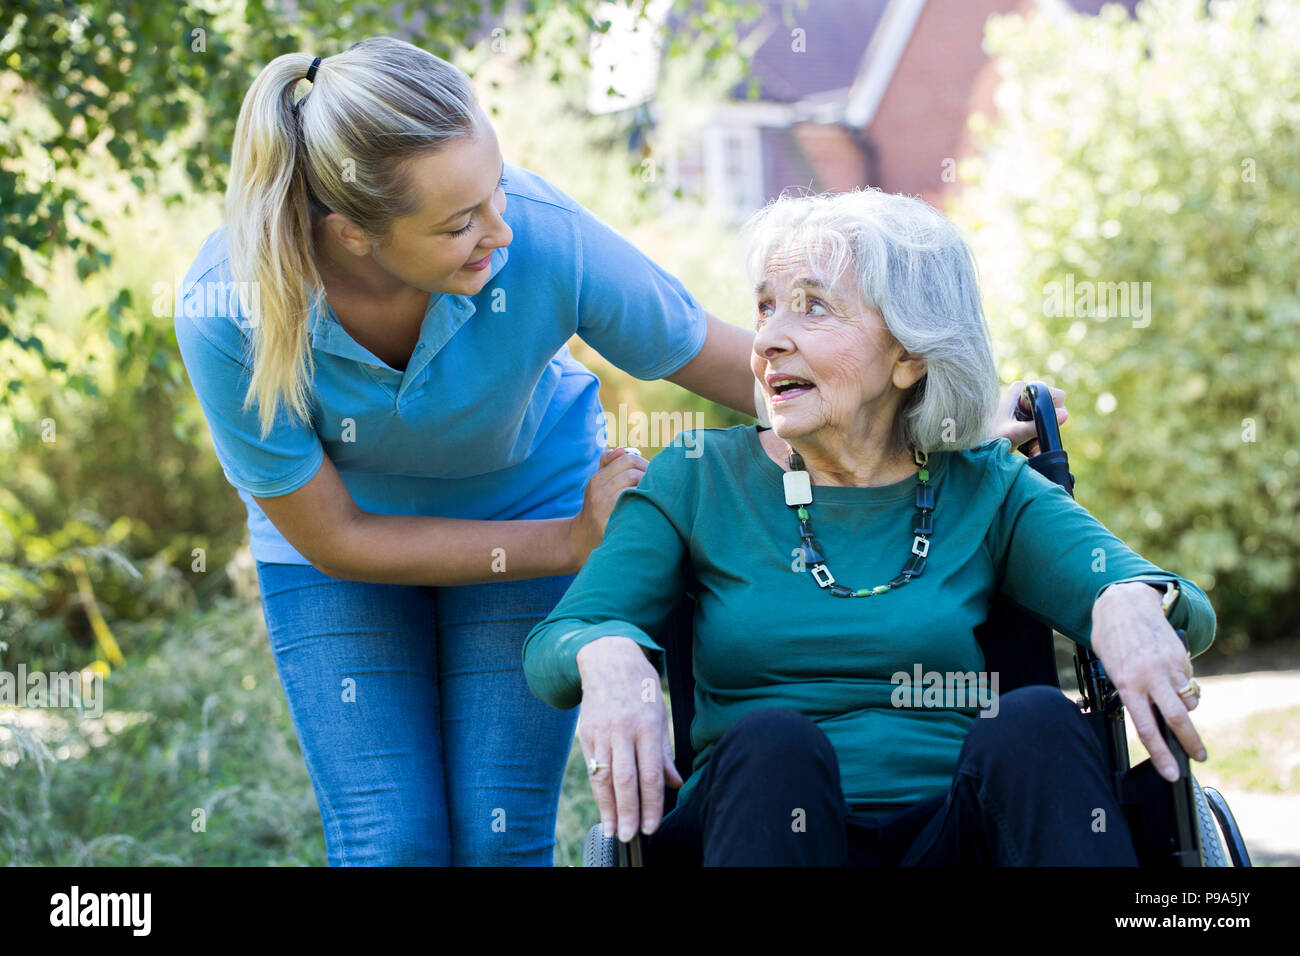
<point>193,762</point>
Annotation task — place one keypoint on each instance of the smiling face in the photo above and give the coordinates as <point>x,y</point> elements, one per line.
<point>850,374</point>
<point>445,245</point>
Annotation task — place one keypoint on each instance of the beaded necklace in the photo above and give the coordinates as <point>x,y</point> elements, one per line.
<point>798,494</point>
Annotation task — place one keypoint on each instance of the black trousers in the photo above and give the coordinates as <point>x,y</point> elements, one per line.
<point>1030,788</point>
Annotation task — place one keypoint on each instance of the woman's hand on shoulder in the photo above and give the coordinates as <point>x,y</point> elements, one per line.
<point>1147,663</point>
<point>619,470</point>
<point>1006,425</point>
<point>624,727</point>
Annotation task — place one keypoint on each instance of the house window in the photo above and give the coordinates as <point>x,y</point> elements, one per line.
<point>722,168</point>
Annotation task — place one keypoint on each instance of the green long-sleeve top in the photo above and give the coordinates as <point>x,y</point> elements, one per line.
<point>709,518</point>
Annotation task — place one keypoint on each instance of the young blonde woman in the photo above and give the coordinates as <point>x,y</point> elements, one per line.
<point>377,337</point>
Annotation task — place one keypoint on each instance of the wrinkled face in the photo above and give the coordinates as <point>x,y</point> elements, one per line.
<point>836,349</point>
<point>445,245</point>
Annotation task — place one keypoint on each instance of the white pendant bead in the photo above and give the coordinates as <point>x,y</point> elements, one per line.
<point>798,488</point>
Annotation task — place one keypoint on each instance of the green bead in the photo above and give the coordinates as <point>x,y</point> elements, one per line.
<point>924,474</point>
<point>862,592</point>
<point>802,512</point>
<point>880,589</point>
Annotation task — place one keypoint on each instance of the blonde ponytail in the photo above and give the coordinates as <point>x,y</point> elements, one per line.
<point>341,148</point>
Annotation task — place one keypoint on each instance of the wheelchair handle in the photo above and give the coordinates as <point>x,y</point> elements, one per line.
<point>1051,460</point>
<point>1043,414</point>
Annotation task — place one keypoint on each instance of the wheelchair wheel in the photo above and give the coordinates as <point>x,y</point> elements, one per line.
<point>599,850</point>
<point>1212,851</point>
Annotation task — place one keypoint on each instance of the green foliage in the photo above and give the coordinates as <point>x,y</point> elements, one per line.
<point>1161,150</point>
<point>197,723</point>
<point>156,86</point>
<point>117,471</point>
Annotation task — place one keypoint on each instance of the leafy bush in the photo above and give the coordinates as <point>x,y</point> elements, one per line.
<point>1162,151</point>
<point>110,485</point>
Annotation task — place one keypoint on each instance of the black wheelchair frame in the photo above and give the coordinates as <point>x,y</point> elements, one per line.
<point>1172,824</point>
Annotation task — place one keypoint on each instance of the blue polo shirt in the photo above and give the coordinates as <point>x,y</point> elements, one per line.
<point>492,419</point>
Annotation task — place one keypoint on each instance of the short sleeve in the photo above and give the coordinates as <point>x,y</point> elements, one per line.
<point>212,349</point>
<point>630,310</point>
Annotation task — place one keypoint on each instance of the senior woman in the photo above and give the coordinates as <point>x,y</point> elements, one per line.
<point>855,544</point>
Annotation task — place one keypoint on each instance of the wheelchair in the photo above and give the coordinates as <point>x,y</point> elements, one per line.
<point>1174,824</point>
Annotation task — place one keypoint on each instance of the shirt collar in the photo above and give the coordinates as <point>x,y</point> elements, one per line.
<point>446,313</point>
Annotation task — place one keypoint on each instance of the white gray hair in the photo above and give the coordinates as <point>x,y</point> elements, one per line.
<point>913,267</point>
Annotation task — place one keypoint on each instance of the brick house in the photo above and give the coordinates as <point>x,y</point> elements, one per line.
<point>851,93</point>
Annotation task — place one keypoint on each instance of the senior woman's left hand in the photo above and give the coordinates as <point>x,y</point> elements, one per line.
<point>1005,424</point>
<point>1147,663</point>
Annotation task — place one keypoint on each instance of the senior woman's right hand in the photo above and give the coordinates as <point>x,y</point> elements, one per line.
<point>624,724</point>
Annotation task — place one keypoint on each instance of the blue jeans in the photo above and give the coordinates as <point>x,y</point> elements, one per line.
<point>423,742</point>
